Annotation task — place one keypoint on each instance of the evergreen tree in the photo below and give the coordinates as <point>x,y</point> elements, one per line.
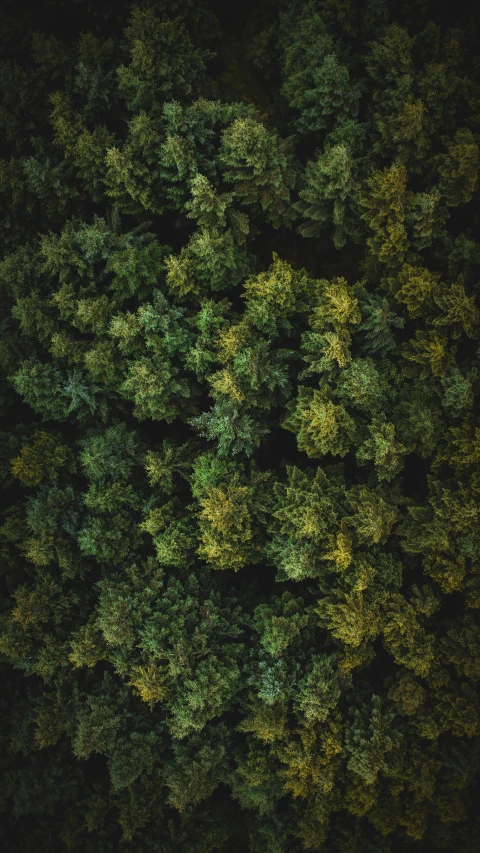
<point>239,442</point>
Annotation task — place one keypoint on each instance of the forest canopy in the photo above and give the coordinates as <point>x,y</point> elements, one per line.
<point>240,436</point>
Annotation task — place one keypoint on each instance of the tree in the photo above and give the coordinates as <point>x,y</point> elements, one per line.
<point>260,167</point>
<point>146,82</point>
<point>330,196</point>
<point>321,426</point>
<point>315,81</point>
<point>384,206</point>
<point>231,513</point>
<point>458,168</point>
<point>239,539</point>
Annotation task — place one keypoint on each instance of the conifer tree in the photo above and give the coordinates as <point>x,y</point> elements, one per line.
<point>239,442</point>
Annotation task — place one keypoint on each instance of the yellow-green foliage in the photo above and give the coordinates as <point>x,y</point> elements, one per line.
<point>239,440</point>
<point>226,527</point>
<point>42,458</point>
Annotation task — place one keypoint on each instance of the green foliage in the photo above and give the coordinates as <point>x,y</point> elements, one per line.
<point>458,168</point>
<point>239,449</point>
<point>131,179</point>
<point>211,261</point>
<point>307,524</point>
<point>53,394</point>
<point>368,742</point>
<point>376,327</point>
<point>384,213</point>
<point>330,195</point>
<point>164,64</point>
<point>315,81</point>
<point>41,459</point>
<point>231,509</point>
<point>271,297</point>
<point>261,168</point>
<point>281,627</point>
<point>321,426</point>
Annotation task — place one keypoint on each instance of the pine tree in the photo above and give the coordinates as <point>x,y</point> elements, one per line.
<point>239,541</point>
<point>330,195</point>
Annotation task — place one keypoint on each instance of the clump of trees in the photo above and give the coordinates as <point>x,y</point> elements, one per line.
<point>240,442</point>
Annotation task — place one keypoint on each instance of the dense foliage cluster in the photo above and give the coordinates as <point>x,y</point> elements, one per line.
<point>240,436</point>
